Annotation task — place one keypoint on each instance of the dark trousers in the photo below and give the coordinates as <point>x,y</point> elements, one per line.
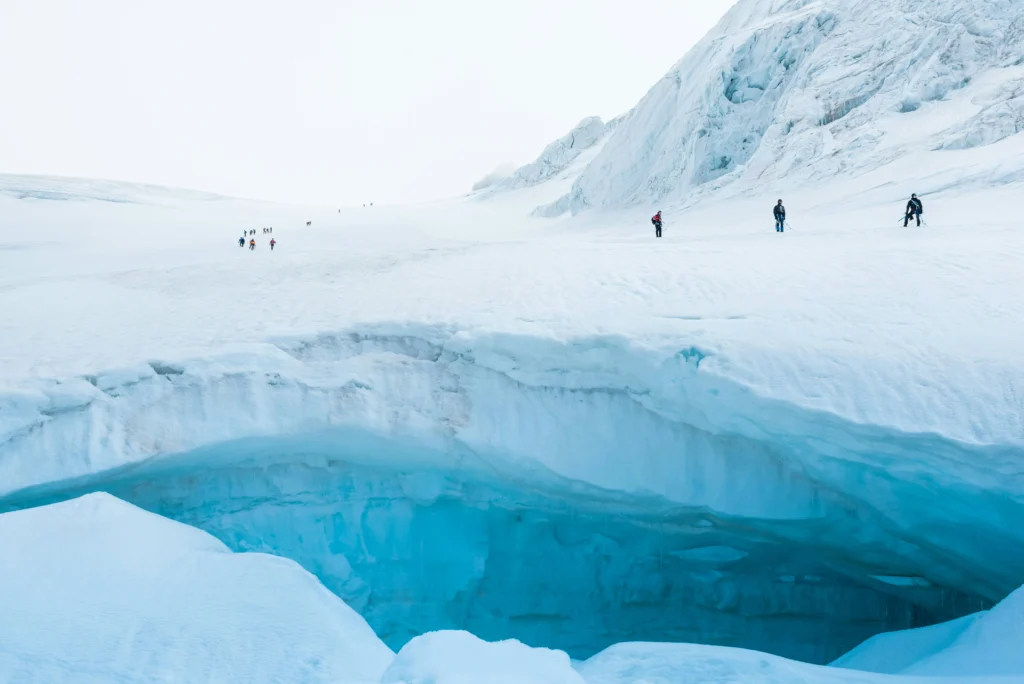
<point>657,230</point>
<point>906,219</point>
<point>780,225</point>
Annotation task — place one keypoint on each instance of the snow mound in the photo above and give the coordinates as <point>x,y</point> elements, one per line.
<point>650,663</point>
<point>453,657</point>
<point>784,92</point>
<point>896,652</point>
<point>987,643</point>
<point>96,590</point>
<point>991,645</point>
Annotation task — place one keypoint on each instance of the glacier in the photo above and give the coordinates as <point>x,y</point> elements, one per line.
<point>784,94</point>
<point>431,486</point>
<point>509,431</point>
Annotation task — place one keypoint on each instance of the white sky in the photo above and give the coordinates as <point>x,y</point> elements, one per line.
<point>318,101</point>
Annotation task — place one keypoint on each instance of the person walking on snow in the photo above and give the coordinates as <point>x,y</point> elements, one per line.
<point>780,217</point>
<point>914,210</point>
<point>272,243</point>
<point>241,241</point>
<point>252,244</point>
<point>656,220</point>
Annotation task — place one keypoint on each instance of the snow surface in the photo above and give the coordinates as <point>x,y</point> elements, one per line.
<point>485,414</point>
<point>896,652</point>
<point>802,399</point>
<point>646,663</point>
<point>986,643</point>
<point>461,658</point>
<point>96,590</point>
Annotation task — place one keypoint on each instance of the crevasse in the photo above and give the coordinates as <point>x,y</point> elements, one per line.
<point>570,494</point>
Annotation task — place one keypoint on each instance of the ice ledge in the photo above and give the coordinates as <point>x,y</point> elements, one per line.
<point>600,410</point>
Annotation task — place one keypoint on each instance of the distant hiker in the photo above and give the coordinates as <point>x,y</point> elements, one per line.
<point>271,229</point>
<point>309,223</point>
<point>780,217</point>
<point>272,243</point>
<point>241,241</point>
<point>914,210</point>
<point>252,244</point>
<point>656,220</point>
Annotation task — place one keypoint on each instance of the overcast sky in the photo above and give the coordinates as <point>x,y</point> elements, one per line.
<point>318,101</point>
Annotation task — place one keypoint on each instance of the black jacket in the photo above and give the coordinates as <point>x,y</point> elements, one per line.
<point>915,206</point>
<point>779,212</point>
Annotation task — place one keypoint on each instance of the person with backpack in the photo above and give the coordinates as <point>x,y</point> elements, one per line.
<point>780,217</point>
<point>252,244</point>
<point>272,243</point>
<point>241,241</point>
<point>656,220</point>
<point>914,210</point>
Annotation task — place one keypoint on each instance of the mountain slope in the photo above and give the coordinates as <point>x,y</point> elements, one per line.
<point>785,92</point>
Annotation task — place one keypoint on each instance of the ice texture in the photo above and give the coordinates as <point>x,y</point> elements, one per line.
<point>432,483</point>
<point>785,92</point>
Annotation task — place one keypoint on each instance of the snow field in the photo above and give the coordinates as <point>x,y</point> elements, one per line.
<point>551,428</point>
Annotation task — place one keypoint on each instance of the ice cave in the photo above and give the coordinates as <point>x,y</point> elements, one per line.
<point>572,516</point>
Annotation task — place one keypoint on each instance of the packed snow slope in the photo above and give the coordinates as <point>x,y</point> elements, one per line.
<point>561,431</point>
<point>96,590</point>
<point>786,93</point>
<point>985,643</point>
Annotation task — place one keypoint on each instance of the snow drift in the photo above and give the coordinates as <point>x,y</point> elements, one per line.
<point>986,643</point>
<point>96,590</point>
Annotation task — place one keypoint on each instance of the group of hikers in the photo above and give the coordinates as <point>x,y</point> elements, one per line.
<point>252,241</point>
<point>915,208</point>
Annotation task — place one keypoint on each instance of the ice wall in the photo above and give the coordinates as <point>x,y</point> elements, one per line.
<point>416,549</point>
<point>437,482</point>
<point>784,92</point>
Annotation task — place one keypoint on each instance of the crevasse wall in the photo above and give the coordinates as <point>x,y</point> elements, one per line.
<point>435,481</point>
